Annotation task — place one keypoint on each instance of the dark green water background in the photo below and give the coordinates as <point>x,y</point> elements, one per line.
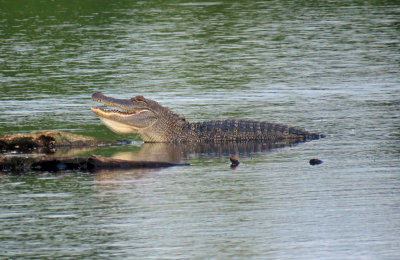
<point>327,66</point>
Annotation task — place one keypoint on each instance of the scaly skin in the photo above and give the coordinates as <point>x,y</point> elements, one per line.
<point>156,123</point>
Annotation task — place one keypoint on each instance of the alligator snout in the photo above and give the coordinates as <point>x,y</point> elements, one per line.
<point>97,96</point>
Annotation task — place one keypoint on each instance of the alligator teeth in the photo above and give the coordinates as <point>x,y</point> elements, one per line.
<point>102,111</point>
<point>121,112</point>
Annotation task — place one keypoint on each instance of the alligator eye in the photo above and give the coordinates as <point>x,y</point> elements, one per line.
<point>139,99</point>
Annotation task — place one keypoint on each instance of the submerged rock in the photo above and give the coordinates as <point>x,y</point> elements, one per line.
<point>50,141</point>
<point>25,164</point>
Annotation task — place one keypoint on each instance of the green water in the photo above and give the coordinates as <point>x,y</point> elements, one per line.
<point>328,66</point>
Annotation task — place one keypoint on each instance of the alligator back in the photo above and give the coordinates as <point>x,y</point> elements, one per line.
<point>244,130</point>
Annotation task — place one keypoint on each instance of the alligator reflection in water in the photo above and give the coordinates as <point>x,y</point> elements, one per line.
<point>150,156</point>
<point>178,153</point>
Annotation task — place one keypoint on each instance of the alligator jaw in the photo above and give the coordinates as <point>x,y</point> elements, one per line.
<point>131,115</point>
<point>114,112</point>
<point>128,107</point>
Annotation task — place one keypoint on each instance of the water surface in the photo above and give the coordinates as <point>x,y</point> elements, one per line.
<point>330,67</point>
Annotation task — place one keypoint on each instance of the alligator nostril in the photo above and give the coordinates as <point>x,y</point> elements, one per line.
<point>97,96</point>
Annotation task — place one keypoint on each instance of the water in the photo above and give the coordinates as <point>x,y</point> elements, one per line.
<point>331,67</point>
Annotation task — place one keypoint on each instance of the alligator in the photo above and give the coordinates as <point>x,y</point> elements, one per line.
<point>158,124</point>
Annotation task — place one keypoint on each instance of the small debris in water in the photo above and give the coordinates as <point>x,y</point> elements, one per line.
<point>315,161</point>
<point>235,161</point>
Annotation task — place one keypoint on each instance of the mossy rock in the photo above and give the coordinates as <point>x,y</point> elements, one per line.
<point>46,140</point>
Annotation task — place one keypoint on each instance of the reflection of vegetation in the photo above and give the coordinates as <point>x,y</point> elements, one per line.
<point>58,12</point>
<point>109,151</point>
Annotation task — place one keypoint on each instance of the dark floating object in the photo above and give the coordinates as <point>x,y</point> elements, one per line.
<point>235,161</point>
<point>22,164</point>
<point>315,161</point>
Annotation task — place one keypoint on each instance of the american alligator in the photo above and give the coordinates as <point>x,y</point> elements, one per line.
<point>155,123</point>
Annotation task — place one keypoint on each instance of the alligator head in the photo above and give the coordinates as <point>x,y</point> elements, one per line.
<point>138,115</point>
